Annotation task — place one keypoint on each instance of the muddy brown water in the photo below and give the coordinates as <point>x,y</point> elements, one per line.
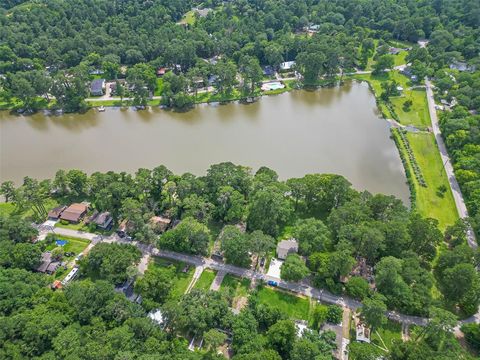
<point>332,130</point>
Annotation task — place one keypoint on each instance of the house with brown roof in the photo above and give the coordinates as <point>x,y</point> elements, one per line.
<point>74,213</point>
<point>159,224</point>
<point>55,213</point>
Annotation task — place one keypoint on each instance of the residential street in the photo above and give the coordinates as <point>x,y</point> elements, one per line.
<point>457,193</point>
<point>301,288</point>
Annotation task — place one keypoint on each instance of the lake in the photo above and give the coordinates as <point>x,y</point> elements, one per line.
<point>331,130</point>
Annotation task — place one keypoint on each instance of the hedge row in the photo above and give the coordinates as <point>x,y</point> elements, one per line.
<point>410,181</point>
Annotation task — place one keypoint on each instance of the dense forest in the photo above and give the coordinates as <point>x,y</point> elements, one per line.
<point>132,39</point>
<point>336,226</point>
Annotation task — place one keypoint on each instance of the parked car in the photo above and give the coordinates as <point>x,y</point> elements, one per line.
<point>272,283</point>
<point>79,257</point>
<point>262,262</point>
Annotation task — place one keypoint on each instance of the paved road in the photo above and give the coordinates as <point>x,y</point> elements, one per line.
<point>302,288</point>
<point>457,193</point>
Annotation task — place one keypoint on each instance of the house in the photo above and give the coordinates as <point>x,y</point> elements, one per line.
<point>159,224</point>
<point>461,66</point>
<point>55,213</point>
<point>96,72</point>
<point>203,12</point>
<point>362,332</point>
<point>161,71</point>
<point>287,65</point>
<point>286,247</point>
<point>74,213</point>
<point>394,50</point>
<point>97,87</point>
<point>123,228</point>
<point>212,79</point>
<point>47,264</point>
<point>268,70</point>
<point>104,220</point>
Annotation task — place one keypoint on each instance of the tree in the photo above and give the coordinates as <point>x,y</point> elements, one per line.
<point>358,287</point>
<point>383,63</point>
<point>261,244</point>
<point>189,236</point>
<point>373,311</point>
<point>312,236</point>
<point>225,72</point>
<point>213,339</point>
<point>251,72</point>
<point>310,65</point>
<point>110,261</point>
<point>472,334</point>
<point>294,268</point>
<point>198,208</point>
<point>230,204</point>
<point>281,337</point>
<point>156,284</point>
<point>235,246</point>
<point>7,189</point>
<point>71,89</point>
<point>334,314</point>
<point>269,209</point>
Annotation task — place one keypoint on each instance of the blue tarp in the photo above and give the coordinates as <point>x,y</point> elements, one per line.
<point>61,242</point>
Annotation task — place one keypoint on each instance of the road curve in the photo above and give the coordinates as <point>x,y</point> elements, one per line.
<point>457,193</point>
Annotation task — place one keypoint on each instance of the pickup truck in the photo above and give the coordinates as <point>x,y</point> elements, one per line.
<point>272,283</point>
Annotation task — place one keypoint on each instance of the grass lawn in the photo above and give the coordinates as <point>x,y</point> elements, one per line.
<point>428,202</point>
<point>79,226</point>
<point>159,89</point>
<point>6,209</point>
<point>205,280</point>
<point>74,245</point>
<point>182,279</point>
<point>418,114</point>
<point>239,286</point>
<point>400,58</point>
<point>293,306</point>
<point>188,18</point>
<point>388,333</point>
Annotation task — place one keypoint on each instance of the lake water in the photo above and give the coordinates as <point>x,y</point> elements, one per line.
<point>333,130</point>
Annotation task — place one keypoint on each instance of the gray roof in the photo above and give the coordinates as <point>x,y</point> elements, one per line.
<point>290,244</point>
<point>97,85</point>
<point>103,218</point>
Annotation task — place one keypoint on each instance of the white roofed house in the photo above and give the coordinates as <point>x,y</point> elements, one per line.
<point>287,65</point>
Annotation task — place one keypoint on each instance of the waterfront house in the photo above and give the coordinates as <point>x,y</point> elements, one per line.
<point>287,65</point>
<point>74,213</point>
<point>161,71</point>
<point>97,87</point>
<point>286,247</point>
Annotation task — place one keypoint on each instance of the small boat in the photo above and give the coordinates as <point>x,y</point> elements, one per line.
<point>101,108</point>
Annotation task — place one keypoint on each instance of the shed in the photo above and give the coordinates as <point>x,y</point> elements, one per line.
<point>161,71</point>
<point>286,247</point>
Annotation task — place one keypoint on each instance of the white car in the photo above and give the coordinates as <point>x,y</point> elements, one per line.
<point>79,257</point>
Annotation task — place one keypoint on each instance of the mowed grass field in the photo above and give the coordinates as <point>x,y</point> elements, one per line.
<point>205,280</point>
<point>238,286</point>
<point>293,306</point>
<point>428,202</point>
<point>424,148</point>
